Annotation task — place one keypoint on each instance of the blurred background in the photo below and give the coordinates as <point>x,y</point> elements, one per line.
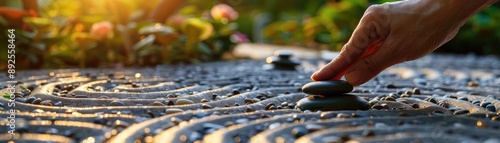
<point>131,33</point>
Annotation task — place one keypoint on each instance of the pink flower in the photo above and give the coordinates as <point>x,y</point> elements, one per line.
<point>238,37</point>
<point>101,29</point>
<point>223,12</point>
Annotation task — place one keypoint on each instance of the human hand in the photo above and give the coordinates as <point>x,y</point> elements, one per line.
<point>392,33</point>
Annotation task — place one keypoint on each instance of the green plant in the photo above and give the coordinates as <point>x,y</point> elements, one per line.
<point>331,25</point>
<point>92,33</point>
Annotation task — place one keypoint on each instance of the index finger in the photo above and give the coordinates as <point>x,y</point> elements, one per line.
<point>372,27</point>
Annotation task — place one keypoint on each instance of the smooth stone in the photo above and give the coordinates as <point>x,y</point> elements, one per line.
<point>327,88</point>
<point>120,124</point>
<point>18,95</point>
<point>26,92</point>
<point>32,87</point>
<point>59,103</point>
<point>283,54</point>
<point>37,101</point>
<point>183,102</point>
<point>484,104</point>
<point>241,121</point>
<point>22,100</point>
<point>491,107</point>
<point>212,126</point>
<point>158,103</point>
<point>195,136</point>
<point>285,63</point>
<point>314,127</point>
<point>30,99</point>
<point>476,102</point>
<point>461,112</point>
<point>206,106</point>
<point>117,103</point>
<point>274,125</point>
<point>201,114</point>
<point>100,120</point>
<point>463,99</point>
<point>46,103</point>
<point>173,110</point>
<point>335,103</point>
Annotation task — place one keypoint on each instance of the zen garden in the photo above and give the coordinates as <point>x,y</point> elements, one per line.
<point>249,71</point>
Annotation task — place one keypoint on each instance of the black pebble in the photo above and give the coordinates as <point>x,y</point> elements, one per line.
<point>327,88</point>
<point>341,102</point>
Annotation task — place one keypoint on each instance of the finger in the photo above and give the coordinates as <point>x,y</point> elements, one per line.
<point>371,66</point>
<point>368,30</point>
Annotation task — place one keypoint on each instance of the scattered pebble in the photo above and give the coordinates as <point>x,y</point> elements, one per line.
<point>241,120</point>
<point>473,83</point>
<point>274,125</point>
<point>30,99</point>
<point>158,103</point>
<point>415,105</point>
<point>206,106</point>
<point>46,103</point>
<point>431,100</point>
<point>491,108</point>
<point>461,112</point>
<point>314,127</point>
<point>173,110</point>
<point>170,103</point>
<point>327,115</point>
<point>116,103</point>
<point>183,101</point>
<point>235,92</point>
<point>37,101</point>
<point>443,104</point>
<point>484,104</point>
<point>58,103</point>
<point>22,100</point>
<point>463,98</point>
<point>120,124</point>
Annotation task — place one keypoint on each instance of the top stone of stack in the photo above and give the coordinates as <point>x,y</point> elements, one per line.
<point>282,60</point>
<point>327,88</point>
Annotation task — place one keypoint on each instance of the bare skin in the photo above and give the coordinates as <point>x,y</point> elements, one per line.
<point>400,31</point>
<point>164,9</point>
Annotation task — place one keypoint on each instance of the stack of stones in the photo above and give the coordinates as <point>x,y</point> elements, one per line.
<point>282,60</point>
<point>331,96</point>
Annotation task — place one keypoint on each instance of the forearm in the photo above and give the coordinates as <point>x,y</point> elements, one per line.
<point>164,9</point>
<point>462,10</point>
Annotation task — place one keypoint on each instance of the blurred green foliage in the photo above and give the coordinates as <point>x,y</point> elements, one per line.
<point>479,35</point>
<point>115,33</point>
<point>328,24</point>
<point>62,34</point>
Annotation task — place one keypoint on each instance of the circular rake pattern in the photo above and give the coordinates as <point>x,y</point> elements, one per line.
<point>438,98</point>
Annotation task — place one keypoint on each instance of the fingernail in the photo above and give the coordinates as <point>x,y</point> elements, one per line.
<point>314,75</point>
<point>353,77</point>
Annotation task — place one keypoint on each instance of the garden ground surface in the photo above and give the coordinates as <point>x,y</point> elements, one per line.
<point>438,98</point>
